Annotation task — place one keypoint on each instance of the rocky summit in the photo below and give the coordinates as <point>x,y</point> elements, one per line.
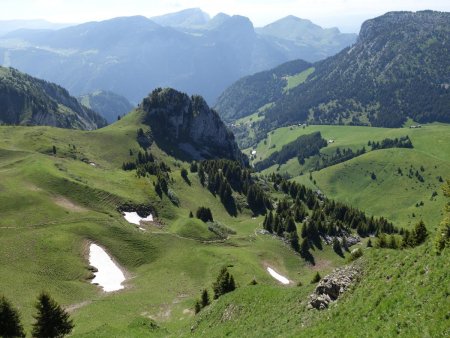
<point>189,123</point>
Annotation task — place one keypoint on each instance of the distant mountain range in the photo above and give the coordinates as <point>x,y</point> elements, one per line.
<point>186,50</point>
<point>7,26</point>
<point>25,100</point>
<point>398,69</point>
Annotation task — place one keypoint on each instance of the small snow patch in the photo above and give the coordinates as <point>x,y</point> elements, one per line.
<point>93,164</point>
<point>134,218</point>
<point>277,276</point>
<point>108,275</point>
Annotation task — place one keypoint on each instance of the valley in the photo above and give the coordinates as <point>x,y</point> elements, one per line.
<point>312,199</point>
<point>43,242</point>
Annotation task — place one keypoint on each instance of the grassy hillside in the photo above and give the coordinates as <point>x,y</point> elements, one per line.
<point>351,181</point>
<point>401,293</point>
<point>52,206</point>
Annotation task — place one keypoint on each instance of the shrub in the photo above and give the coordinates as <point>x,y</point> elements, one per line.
<point>355,254</point>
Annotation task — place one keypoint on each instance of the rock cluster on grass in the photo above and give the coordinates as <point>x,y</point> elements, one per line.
<point>332,286</point>
<point>350,239</point>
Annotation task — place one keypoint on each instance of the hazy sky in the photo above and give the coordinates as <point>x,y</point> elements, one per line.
<point>345,14</point>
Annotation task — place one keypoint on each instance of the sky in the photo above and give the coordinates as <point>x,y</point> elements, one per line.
<point>344,14</point>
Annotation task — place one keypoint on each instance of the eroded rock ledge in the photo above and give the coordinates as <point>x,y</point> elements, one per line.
<point>332,286</point>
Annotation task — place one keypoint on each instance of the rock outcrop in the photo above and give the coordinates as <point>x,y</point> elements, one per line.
<point>332,286</point>
<point>187,124</point>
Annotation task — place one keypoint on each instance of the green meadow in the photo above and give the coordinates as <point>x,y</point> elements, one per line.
<point>54,205</point>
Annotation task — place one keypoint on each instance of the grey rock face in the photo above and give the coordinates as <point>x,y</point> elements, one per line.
<point>332,286</point>
<point>188,123</point>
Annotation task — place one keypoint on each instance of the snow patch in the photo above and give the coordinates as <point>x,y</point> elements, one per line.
<point>277,276</point>
<point>109,276</point>
<point>133,217</point>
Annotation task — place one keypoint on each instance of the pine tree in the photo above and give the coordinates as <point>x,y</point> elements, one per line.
<point>369,243</point>
<point>316,278</point>
<point>184,175</point>
<point>51,319</point>
<point>392,242</point>
<point>191,215</point>
<point>10,325</point>
<point>337,247</point>
<point>382,241</point>
<point>205,298</point>
<point>194,167</point>
<point>197,307</point>
<point>294,241</point>
<point>420,233</point>
<point>291,227</point>
<point>442,239</point>
<point>224,283</point>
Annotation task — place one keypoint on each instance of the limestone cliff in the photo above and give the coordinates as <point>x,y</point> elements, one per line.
<point>187,124</point>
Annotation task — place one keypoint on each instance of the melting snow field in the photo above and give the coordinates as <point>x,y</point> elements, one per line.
<point>108,276</point>
<point>133,217</point>
<point>277,276</point>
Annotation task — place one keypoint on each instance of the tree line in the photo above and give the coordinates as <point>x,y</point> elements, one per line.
<point>222,177</point>
<point>303,147</point>
<point>319,216</point>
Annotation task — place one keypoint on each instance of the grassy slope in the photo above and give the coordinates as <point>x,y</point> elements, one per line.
<point>401,293</point>
<point>52,206</point>
<point>298,79</point>
<point>391,195</point>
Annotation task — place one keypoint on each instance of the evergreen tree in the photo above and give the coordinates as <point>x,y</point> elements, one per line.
<point>420,233</point>
<point>392,242</point>
<point>344,243</point>
<point>191,215</point>
<point>224,283</point>
<point>369,243</point>
<point>269,223</point>
<point>316,278</point>
<point>158,190</point>
<point>10,325</point>
<point>205,298</point>
<point>54,150</point>
<point>382,241</point>
<point>51,319</point>
<point>337,247</point>
<point>294,241</point>
<point>204,214</point>
<point>197,307</point>
<point>304,248</point>
<point>291,227</point>
<point>184,175</point>
<point>442,239</point>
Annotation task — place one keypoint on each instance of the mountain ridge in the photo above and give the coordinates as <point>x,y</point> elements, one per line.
<point>145,54</point>
<point>26,100</point>
<point>398,69</point>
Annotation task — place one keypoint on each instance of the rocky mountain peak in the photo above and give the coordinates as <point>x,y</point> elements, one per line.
<point>187,123</point>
